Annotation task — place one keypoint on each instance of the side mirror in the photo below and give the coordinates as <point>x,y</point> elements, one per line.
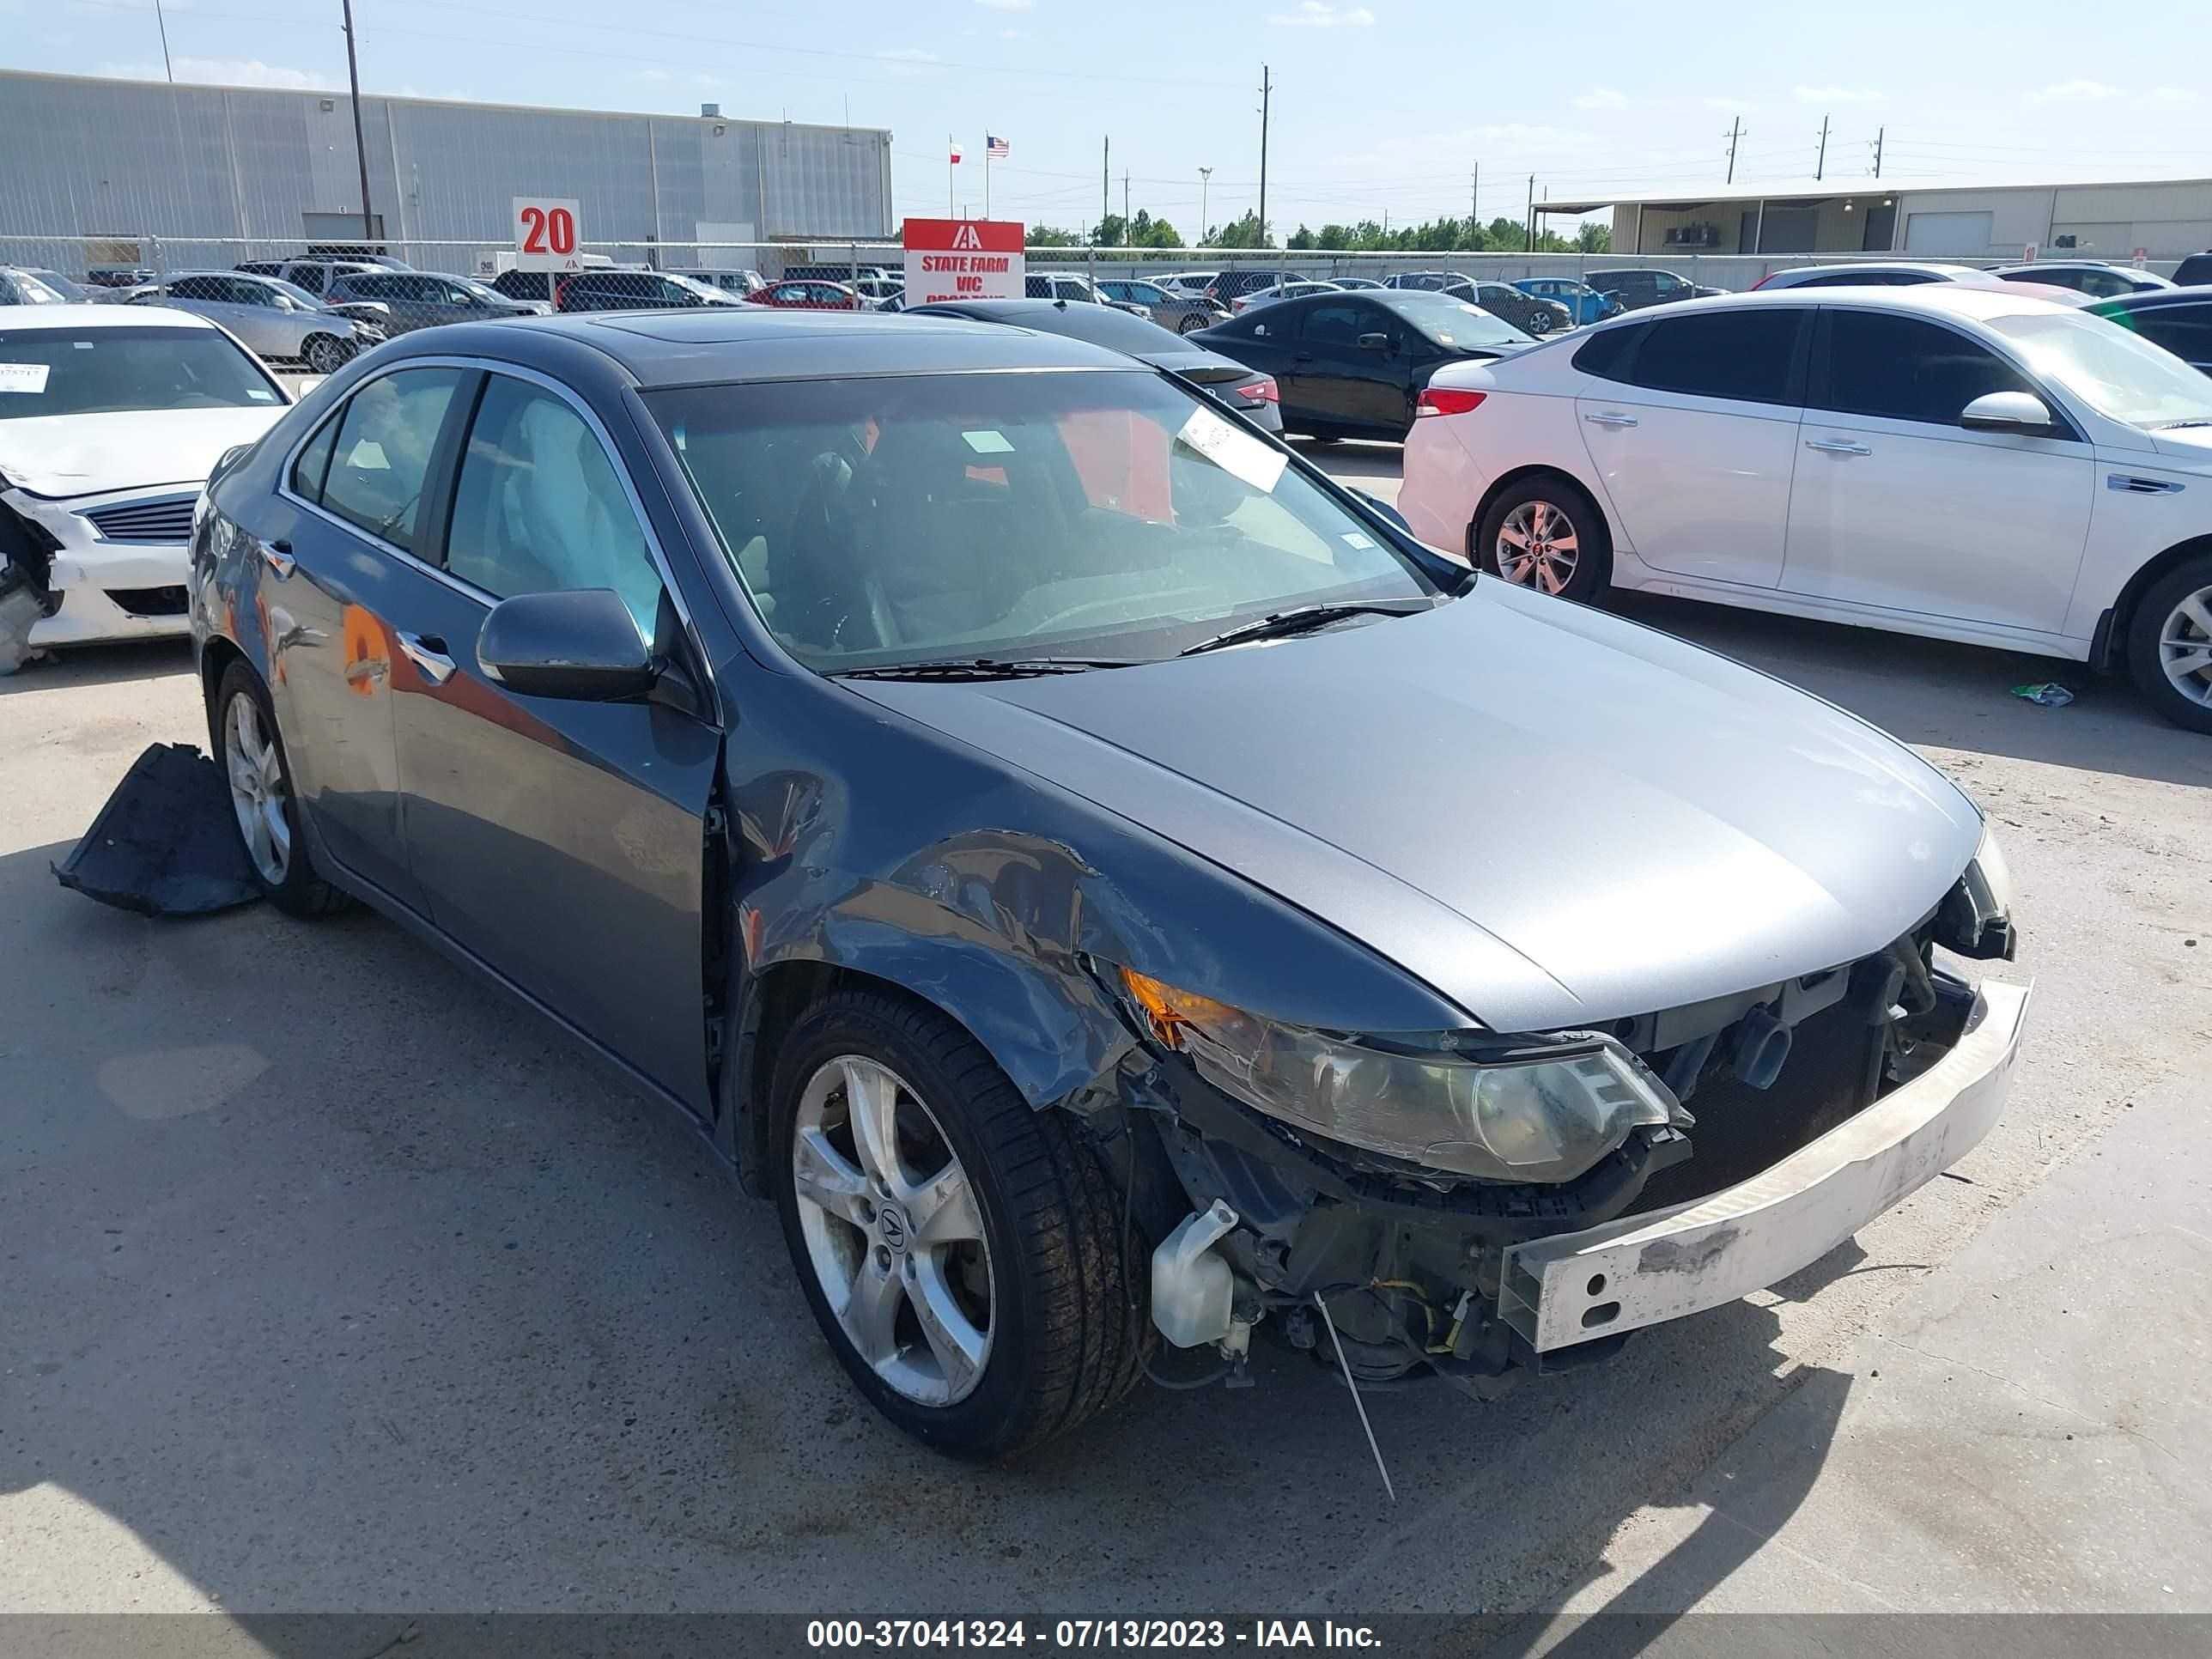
<point>1384,509</point>
<point>1374,342</point>
<point>582,644</point>
<point>2019,412</point>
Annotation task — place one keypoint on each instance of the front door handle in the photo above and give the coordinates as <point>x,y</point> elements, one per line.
<point>428,655</point>
<point>278,556</point>
<point>1610,418</point>
<point>1837,447</point>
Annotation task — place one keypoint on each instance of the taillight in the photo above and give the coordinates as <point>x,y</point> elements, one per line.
<point>1262,391</point>
<point>1447,400</point>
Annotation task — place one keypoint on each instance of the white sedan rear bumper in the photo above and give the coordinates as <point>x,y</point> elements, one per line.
<point>1641,1270</point>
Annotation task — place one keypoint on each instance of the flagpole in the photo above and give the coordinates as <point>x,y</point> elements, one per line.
<point>987,177</point>
<point>952,161</point>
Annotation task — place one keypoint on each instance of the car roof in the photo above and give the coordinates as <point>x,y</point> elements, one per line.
<point>94,316</point>
<point>1972,302</point>
<point>2196,294</point>
<point>1935,265</point>
<point>722,344</point>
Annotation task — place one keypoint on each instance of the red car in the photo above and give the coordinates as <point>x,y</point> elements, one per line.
<point>808,295</point>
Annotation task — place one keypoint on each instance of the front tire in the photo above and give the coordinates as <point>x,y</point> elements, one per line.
<point>962,1253</point>
<point>2170,645</point>
<point>1192,322</point>
<point>251,755</point>
<point>1545,532</point>
<point>325,354</point>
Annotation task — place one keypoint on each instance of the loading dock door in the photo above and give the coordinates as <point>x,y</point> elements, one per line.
<point>1942,234</point>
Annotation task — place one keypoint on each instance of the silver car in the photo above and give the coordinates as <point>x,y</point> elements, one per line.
<point>274,319</point>
<point>1174,308</point>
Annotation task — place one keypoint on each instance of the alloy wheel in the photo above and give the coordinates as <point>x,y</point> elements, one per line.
<point>1537,547</point>
<point>894,1231</point>
<point>258,791</point>
<point>2184,647</point>
<point>1192,322</point>
<point>325,355</point>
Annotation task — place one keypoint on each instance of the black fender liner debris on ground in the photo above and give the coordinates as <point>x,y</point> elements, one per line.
<point>165,844</point>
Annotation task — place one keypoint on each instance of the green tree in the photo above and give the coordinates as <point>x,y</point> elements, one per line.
<point>1046,236</point>
<point>1594,239</point>
<point>1111,231</point>
<point>1301,240</point>
<point>1244,233</point>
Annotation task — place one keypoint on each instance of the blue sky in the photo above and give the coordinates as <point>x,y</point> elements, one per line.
<point>1380,104</point>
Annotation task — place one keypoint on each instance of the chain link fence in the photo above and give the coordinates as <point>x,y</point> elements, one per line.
<point>317,303</point>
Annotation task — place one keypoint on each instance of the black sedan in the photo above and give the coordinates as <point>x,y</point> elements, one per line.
<point>2178,318</point>
<point>1352,365</point>
<point>973,775</point>
<point>1249,392</point>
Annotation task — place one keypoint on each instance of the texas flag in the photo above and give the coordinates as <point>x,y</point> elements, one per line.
<point>955,142</point>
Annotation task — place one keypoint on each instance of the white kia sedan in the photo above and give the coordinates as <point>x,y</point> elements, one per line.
<point>111,418</point>
<point>1963,462</point>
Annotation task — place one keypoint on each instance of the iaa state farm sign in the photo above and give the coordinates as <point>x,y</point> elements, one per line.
<point>962,259</point>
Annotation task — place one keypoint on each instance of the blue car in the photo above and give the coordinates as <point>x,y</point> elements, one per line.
<point>1585,302</point>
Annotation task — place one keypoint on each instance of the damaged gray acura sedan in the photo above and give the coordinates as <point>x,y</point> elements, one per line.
<point>1099,877</point>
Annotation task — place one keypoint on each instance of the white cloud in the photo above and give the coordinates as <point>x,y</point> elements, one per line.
<point>227,72</point>
<point>1006,5</point>
<point>1319,15</point>
<point>1601,97</point>
<point>2073,92</point>
<point>2171,96</point>
<point>1826,95</point>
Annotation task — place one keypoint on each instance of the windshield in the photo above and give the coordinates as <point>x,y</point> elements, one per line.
<point>944,517</point>
<point>100,371</point>
<point>1452,322</point>
<point>2114,372</point>
<point>475,290</point>
<point>704,290</point>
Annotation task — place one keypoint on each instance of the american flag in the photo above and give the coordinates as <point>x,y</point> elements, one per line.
<point>997,148</point>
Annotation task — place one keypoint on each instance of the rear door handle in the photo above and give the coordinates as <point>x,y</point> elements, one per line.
<point>428,655</point>
<point>1837,447</point>
<point>1610,418</point>
<point>279,556</point>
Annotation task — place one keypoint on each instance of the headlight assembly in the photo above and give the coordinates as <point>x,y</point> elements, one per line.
<point>1499,1109</point>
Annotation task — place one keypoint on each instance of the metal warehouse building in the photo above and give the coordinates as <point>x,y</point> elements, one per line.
<point>2166,219</point>
<point>93,161</point>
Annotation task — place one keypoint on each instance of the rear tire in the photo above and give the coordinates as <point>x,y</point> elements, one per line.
<point>992,1328</point>
<point>250,752</point>
<point>2169,644</point>
<point>1545,533</point>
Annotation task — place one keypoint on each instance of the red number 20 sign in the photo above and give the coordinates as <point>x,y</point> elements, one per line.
<point>545,234</point>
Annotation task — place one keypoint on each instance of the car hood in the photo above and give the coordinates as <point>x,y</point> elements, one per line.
<point>58,455</point>
<point>1553,816</point>
<point>2190,446</point>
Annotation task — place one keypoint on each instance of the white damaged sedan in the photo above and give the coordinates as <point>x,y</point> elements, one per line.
<point>111,418</point>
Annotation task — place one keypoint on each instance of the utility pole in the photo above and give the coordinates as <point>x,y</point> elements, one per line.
<point>1204,178</point>
<point>1105,186</point>
<point>1878,134</point>
<point>1125,204</point>
<point>1266,92</point>
<point>1735,132</point>
<point>360,144</point>
<point>1529,232</point>
<point>1474,204</point>
<point>1820,164</point>
<point>163,23</point>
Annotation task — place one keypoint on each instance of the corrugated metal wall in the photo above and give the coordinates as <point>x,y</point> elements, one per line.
<point>89,157</point>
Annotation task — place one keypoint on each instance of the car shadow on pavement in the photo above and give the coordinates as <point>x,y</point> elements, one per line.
<point>340,1281</point>
<point>100,664</point>
<point>1944,694</point>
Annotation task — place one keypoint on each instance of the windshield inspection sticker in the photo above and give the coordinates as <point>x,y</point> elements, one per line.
<point>23,376</point>
<point>988,443</point>
<point>1353,538</point>
<point>1237,453</point>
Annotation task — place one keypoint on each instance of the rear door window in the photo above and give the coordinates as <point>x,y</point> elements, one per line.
<point>1747,356</point>
<point>381,466</point>
<point>2186,331</point>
